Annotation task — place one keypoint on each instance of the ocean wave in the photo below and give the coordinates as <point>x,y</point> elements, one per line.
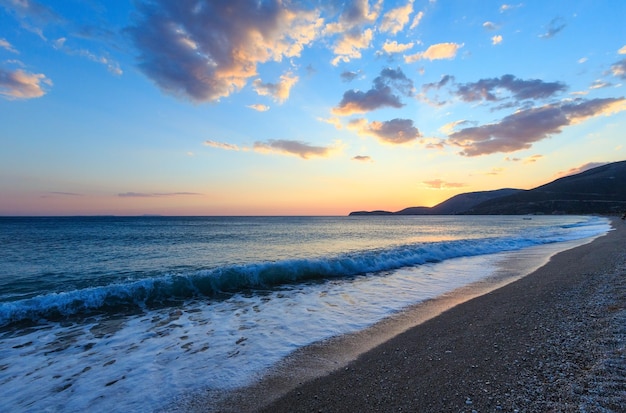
<point>171,288</point>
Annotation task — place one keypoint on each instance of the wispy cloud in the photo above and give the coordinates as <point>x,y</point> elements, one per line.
<point>497,39</point>
<point>4,44</point>
<point>619,69</point>
<point>554,27</point>
<point>278,91</point>
<point>291,147</point>
<point>20,84</point>
<point>362,158</point>
<point>111,65</point>
<point>416,20</point>
<point>155,194</point>
<point>179,48</point>
<point>395,19</point>
<point>622,50</point>
<point>395,131</point>
<point>336,122</point>
<point>490,25</point>
<point>580,169</point>
<point>259,107</point>
<point>525,127</point>
<point>60,193</point>
<point>33,15</point>
<point>507,7</point>
<point>381,95</point>
<point>221,145</point>
<point>435,52</point>
<point>441,184</point>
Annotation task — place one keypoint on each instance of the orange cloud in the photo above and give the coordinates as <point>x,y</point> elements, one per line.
<point>259,107</point>
<point>19,84</point>
<point>221,145</point>
<point>279,91</point>
<point>395,47</point>
<point>435,52</point>
<point>395,19</point>
<point>291,147</point>
<point>440,184</point>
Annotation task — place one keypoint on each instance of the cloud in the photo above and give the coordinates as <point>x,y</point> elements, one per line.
<point>416,20</point>
<point>4,44</point>
<point>599,84</point>
<point>332,121</point>
<point>292,147</point>
<point>350,45</point>
<point>221,145</point>
<point>580,169</point>
<point>203,51</point>
<point>353,37</point>
<point>64,193</point>
<point>154,194</point>
<point>395,131</point>
<point>554,27</point>
<point>525,127</point>
<point>619,69</point>
<point>395,47</point>
<point>33,15</point>
<point>450,127</point>
<point>496,39</point>
<point>111,65</point>
<point>381,95</point>
<point>490,26</point>
<point>435,52</point>
<point>485,89</point>
<point>362,158</point>
<point>440,184</point>
<point>395,19</point>
<point>507,7</point>
<point>622,50</point>
<point>348,76</point>
<point>259,107</point>
<point>279,91</point>
<point>19,84</point>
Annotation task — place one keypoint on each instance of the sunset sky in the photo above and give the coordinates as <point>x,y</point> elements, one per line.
<point>255,107</point>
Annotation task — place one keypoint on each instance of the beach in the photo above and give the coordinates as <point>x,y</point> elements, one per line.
<point>550,341</point>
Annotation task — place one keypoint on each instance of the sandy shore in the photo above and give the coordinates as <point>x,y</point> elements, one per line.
<point>554,341</point>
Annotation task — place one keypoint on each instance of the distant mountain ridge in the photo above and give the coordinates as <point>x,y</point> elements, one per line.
<point>601,190</point>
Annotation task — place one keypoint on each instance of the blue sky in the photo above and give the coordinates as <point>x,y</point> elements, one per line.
<point>287,108</point>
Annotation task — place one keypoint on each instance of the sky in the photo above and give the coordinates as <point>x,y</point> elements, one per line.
<point>258,107</point>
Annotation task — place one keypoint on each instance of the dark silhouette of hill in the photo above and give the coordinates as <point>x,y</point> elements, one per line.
<point>601,190</point>
<point>458,204</point>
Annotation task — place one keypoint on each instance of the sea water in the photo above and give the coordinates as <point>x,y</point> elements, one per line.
<point>126,314</point>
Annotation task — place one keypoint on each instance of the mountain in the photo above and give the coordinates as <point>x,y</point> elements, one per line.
<point>601,190</point>
<point>458,204</point>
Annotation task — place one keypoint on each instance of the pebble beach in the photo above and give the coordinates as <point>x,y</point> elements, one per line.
<point>553,341</point>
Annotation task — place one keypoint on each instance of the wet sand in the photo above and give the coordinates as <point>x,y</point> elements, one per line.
<point>554,340</point>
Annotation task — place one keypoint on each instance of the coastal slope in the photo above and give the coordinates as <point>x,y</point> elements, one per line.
<point>600,190</point>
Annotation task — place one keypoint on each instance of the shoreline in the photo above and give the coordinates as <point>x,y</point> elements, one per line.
<point>553,340</point>
<point>315,378</point>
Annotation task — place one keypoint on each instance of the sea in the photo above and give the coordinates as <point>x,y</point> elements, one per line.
<point>123,314</point>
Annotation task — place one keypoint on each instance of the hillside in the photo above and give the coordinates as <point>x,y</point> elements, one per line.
<point>600,190</point>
